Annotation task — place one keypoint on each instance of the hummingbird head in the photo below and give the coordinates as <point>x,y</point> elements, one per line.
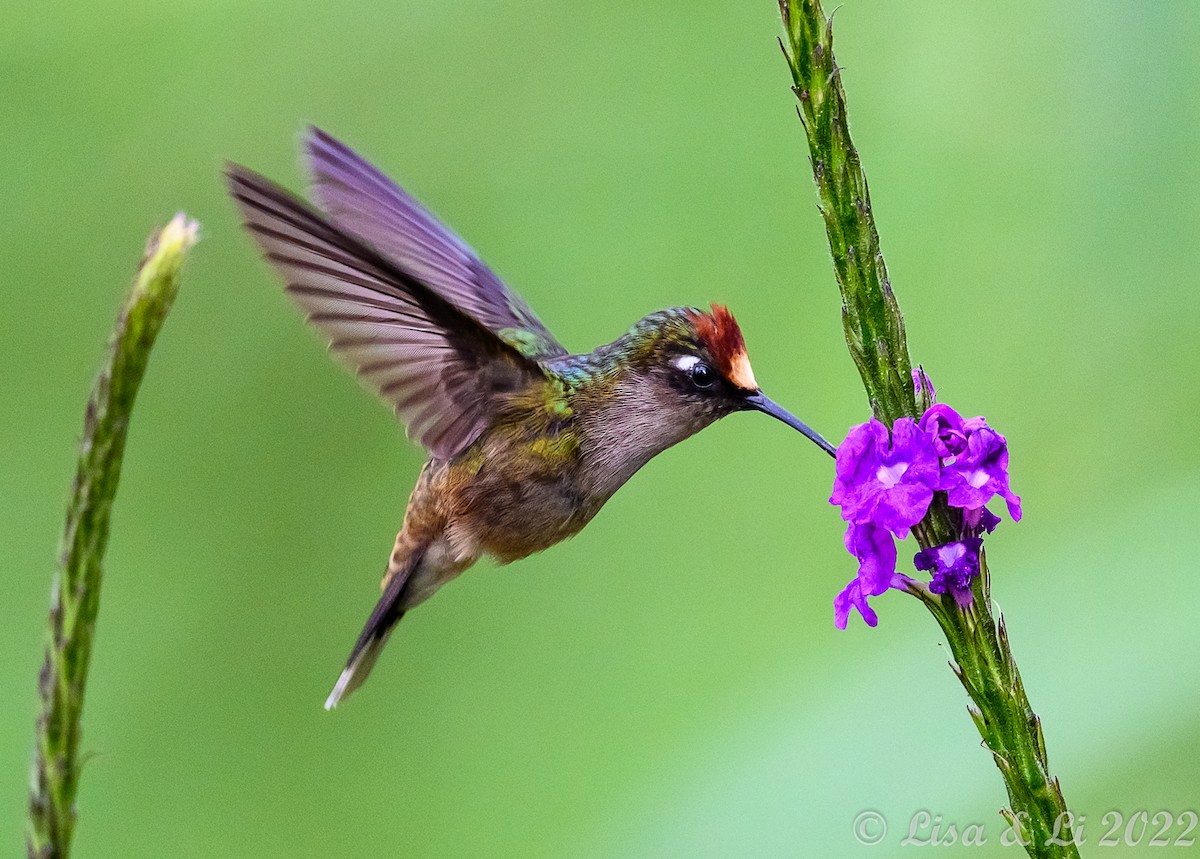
<point>712,373</point>
<point>673,374</point>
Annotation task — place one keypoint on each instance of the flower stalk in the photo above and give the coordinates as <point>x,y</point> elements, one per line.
<point>875,335</point>
<point>75,594</point>
<point>870,315</point>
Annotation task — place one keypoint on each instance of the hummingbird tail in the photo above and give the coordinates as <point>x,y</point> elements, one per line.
<point>384,617</point>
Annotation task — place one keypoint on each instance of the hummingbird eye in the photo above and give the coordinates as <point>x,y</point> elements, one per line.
<point>702,375</point>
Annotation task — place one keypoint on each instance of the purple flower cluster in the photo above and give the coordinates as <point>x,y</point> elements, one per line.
<point>885,482</point>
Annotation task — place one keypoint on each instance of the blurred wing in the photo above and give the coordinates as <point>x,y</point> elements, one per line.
<point>443,371</point>
<point>363,202</point>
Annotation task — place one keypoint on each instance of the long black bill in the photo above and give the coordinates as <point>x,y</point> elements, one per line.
<point>763,403</point>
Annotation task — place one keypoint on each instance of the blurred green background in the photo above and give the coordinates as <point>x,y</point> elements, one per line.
<point>670,682</point>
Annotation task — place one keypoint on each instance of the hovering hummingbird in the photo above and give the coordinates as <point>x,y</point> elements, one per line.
<point>526,441</point>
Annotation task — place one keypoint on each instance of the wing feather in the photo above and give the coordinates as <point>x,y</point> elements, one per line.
<point>360,200</point>
<point>443,370</point>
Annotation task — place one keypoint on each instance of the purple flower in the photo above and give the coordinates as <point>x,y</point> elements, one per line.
<point>888,482</point>
<point>980,471</point>
<point>876,555</point>
<point>884,483</point>
<point>974,460</point>
<point>954,567</point>
<point>945,429</point>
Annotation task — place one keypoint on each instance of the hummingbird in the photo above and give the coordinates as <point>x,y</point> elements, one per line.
<point>526,440</point>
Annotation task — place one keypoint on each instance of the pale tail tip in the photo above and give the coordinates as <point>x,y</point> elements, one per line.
<point>339,689</point>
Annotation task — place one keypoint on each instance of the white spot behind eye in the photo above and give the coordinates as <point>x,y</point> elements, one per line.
<point>687,362</point>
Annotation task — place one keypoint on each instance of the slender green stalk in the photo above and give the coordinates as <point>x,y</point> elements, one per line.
<point>75,595</point>
<point>870,315</point>
<point>1012,732</point>
<point>875,335</point>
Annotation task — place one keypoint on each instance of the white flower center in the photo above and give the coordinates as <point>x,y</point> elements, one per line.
<point>978,478</point>
<point>889,475</point>
<point>952,554</point>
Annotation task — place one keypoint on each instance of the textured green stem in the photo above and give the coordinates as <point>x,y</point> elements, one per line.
<point>870,315</point>
<point>75,595</point>
<point>875,335</point>
<point>1012,732</point>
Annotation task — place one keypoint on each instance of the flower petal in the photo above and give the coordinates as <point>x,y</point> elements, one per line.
<point>980,472</point>
<point>852,597</point>
<point>876,555</point>
<point>944,426</point>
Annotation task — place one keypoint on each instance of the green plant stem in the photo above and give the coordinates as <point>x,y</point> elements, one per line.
<point>1012,732</point>
<point>75,595</point>
<point>870,315</point>
<point>875,335</point>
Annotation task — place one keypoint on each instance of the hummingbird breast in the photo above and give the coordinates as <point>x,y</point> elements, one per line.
<point>513,493</point>
<point>542,470</point>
